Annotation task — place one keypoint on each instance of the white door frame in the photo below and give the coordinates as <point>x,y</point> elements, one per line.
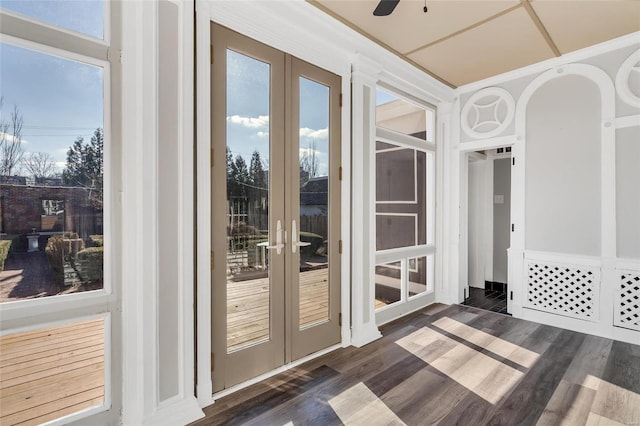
<point>463,250</point>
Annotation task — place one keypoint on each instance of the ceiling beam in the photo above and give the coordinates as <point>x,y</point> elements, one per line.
<point>543,31</point>
<point>465,29</point>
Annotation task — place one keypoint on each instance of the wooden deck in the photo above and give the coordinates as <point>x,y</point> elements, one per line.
<point>51,372</point>
<point>248,306</point>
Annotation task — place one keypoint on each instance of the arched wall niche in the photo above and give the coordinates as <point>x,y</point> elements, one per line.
<point>566,148</point>
<point>562,169</point>
<point>565,129</point>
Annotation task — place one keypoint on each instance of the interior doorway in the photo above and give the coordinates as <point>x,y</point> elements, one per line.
<point>275,208</point>
<point>489,228</point>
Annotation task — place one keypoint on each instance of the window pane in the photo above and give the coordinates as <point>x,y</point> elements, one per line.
<point>401,116</point>
<point>417,275</point>
<point>388,284</point>
<point>401,197</point>
<point>51,174</point>
<point>83,16</point>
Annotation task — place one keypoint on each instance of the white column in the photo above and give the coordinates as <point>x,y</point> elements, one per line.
<point>364,77</point>
<point>446,124</point>
<point>204,385</point>
<point>157,388</point>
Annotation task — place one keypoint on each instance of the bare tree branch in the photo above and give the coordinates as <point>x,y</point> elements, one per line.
<point>309,161</point>
<point>39,164</point>
<point>11,149</point>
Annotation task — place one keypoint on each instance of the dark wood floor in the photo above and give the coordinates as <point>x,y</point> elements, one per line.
<point>453,365</point>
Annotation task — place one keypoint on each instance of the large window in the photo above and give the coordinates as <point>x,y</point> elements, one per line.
<point>51,171</point>
<point>405,150</point>
<point>56,291</point>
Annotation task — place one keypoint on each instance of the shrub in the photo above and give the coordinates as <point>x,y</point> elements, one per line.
<point>89,264</point>
<point>55,253</point>
<point>4,252</point>
<point>97,240</point>
<point>60,248</point>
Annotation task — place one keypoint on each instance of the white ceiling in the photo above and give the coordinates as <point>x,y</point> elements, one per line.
<point>462,41</point>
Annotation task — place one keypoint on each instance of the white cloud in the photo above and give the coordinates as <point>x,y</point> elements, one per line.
<point>309,152</point>
<point>306,132</point>
<point>261,121</point>
<point>263,134</point>
<point>11,138</point>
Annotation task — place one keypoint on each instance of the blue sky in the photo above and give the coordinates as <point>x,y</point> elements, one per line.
<point>59,99</point>
<point>383,97</point>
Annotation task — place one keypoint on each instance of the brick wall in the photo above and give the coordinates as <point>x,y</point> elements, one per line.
<point>21,210</point>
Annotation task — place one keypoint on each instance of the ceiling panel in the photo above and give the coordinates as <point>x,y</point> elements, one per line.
<point>408,28</point>
<point>503,44</point>
<point>461,41</point>
<point>577,24</point>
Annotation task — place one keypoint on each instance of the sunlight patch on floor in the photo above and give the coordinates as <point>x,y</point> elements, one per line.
<point>358,406</point>
<point>487,377</point>
<point>614,403</point>
<point>498,346</point>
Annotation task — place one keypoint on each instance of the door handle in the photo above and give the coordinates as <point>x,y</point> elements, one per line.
<point>295,242</point>
<point>279,245</point>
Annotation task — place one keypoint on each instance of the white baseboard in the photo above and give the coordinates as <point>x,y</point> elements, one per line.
<point>365,335</point>
<point>176,411</point>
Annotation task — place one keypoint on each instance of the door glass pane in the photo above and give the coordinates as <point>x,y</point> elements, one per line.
<point>388,284</point>
<point>417,275</point>
<point>314,202</point>
<point>83,16</point>
<point>248,281</point>
<point>51,174</point>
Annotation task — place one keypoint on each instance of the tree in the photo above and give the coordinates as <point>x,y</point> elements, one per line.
<point>39,165</point>
<point>309,162</point>
<point>11,150</point>
<point>85,166</point>
<point>240,176</point>
<point>256,172</point>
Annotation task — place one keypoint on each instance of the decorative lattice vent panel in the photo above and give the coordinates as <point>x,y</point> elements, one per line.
<point>627,309</point>
<point>570,290</point>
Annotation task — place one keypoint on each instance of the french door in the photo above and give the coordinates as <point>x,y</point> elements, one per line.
<point>275,208</point>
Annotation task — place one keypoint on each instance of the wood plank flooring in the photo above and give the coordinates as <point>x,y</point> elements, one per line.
<point>452,365</point>
<point>51,372</point>
<point>248,306</point>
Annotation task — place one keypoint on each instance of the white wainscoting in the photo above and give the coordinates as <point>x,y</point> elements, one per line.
<point>581,293</point>
<point>568,286</point>
<point>626,312</point>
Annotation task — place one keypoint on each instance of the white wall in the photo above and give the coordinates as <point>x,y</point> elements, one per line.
<point>628,192</point>
<point>562,193</point>
<point>575,137</point>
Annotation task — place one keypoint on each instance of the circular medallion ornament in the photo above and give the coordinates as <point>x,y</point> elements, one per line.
<point>487,113</point>
<point>628,80</point>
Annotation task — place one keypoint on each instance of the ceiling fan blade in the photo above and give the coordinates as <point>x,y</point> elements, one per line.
<point>385,7</point>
